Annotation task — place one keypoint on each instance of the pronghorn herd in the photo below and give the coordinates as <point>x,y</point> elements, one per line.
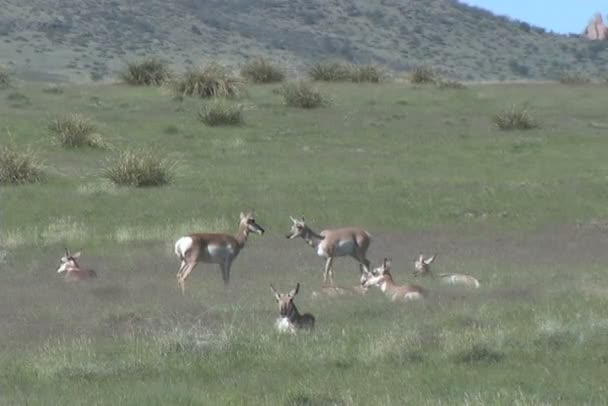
<point>223,249</point>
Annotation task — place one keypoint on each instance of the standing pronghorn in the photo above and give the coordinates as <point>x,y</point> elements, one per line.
<point>382,277</point>
<point>216,248</point>
<point>73,271</point>
<point>333,243</point>
<point>423,267</point>
<point>290,318</point>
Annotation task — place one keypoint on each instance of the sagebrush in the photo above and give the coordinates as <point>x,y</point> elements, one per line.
<point>221,112</point>
<point>574,78</point>
<point>139,169</point>
<point>331,71</point>
<point>18,167</point>
<point>262,70</point>
<point>302,94</point>
<point>75,130</point>
<point>146,72</point>
<point>212,80</point>
<point>6,77</point>
<point>515,118</point>
<point>423,75</point>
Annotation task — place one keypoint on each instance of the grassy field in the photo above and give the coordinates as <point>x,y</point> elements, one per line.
<point>423,169</point>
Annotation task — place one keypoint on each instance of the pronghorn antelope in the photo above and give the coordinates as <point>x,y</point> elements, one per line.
<point>335,291</point>
<point>290,318</point>
<point>382,277</point>
<point>459,279</point>
<point>422,266</point>
<point>333,243</point>
<point>73,271</point>
<point>215,248</point>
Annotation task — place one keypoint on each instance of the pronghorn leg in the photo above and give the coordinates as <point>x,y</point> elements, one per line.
<point>328,271</point>
<point>226,271</point>
<point>364,263</point>
<point>182,280</point>
<point>181,268</point>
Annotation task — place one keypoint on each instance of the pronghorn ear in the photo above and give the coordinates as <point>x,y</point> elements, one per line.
<point>242,215</point>
<point>295,291</point>
<point>428,261</point>
<point>388,263</point>
<point>293,220</point>
<point>64,259</point>
<point>303,221</point>
<point>76,255</point>
<point>276,294</point>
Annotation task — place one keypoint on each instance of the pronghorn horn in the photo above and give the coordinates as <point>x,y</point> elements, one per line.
<point>67,252</point>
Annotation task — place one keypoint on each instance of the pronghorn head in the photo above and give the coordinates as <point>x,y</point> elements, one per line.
<point>68,261</point>
<point>285,300</point>
<point>249,225</point>
<point>423,265</point>
<point>298,229</point>
<point>378,275</point>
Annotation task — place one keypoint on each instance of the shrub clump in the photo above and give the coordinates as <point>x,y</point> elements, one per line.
<point>450,84</point>
<point>515,118</point>
<point>221,112</point>
<point>574,78</point>
<point>331,71</point>
<point>138,169</point>
<point>302,94</point>
<point>6,77</point>
<point>212,80</point>
<point>423,75</point>
<point>146,72</point>
<point>368,73</point>
<point>262,70</point>
<point>75,130</point>
<point>18,167</point>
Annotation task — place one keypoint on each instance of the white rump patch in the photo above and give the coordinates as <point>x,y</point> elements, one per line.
<point>182,246</point>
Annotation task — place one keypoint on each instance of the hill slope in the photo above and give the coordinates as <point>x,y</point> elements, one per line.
<point>93,38</point>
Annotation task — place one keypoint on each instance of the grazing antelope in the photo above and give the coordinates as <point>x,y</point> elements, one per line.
<point>290,319</point>
<point>382,277</point>
<point>333,243</point>
<point>215,248</point>
<point>459,279</point>
<point>422,266</point>
<point>73,271</point>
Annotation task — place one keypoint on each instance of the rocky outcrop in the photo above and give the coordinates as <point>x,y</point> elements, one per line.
<point>596,29</point>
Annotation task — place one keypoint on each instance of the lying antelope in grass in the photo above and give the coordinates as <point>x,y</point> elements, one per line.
<point>290,318</point>
<point>423,267</point>
<point>215,248</point>
<point>382,278</point>
<point>73,271</point>
<point>340,242</point>
<point>335,291</point>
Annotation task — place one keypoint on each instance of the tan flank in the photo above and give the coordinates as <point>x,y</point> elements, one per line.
<point>340,242</point>
<point>72,270</point>
<point>382,278</point>
<point>290,320</point>
<point>214,248</point>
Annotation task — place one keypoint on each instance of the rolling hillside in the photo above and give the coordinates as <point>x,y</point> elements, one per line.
<point>91,39</point>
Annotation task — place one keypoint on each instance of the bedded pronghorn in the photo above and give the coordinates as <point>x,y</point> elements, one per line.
<point>423,267</point>
<point>290,318</point>
<point>339,242</point>
<point>335,291</point>
<point>73,271</point>
<point>382,278</point>
<point>215,248</point>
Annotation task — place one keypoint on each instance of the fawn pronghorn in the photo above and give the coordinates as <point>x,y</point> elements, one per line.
<point>423,267</point>
<point>382,277</point>
<point>73,271</point>
<point>215,248</point>
<point>333,243</point>
<point>290,319</point>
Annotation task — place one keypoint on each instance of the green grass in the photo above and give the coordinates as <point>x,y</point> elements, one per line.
<point>220,112</point>
<point>420,167</point>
